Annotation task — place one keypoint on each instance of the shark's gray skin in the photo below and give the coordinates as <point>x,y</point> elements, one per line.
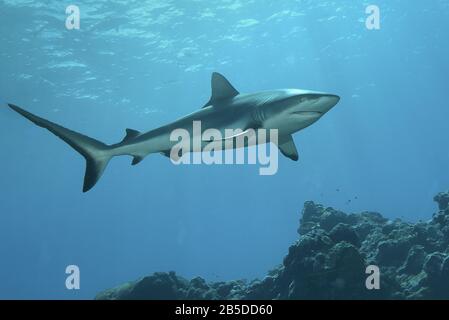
<point>287,110</point>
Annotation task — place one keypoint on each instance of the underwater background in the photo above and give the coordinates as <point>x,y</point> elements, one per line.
<point>142,64</point>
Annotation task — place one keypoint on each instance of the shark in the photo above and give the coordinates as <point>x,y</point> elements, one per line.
<point>285,110</point>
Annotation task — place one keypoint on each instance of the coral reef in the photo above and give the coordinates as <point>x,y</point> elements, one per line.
<point>329,260</point>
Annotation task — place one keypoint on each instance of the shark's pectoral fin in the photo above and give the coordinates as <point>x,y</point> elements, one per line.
<point>288,148</point>
<point>221,89</point>
<point>130,134</point>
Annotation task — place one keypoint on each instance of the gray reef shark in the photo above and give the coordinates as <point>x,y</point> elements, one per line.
<point>287,110</point>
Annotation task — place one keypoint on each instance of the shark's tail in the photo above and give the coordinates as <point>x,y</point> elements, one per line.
<point>96,153</point>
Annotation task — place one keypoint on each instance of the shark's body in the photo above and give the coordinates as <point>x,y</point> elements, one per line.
<point>288,111</point>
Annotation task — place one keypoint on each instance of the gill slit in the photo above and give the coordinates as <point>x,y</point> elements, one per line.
<point>258,116</point>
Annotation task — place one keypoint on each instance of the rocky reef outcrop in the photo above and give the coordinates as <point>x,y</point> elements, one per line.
<point>329,261</point>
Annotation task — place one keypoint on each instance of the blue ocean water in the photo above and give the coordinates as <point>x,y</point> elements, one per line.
<point>141,64</point>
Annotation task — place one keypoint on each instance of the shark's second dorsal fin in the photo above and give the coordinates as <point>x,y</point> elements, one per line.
<point>130,134</point>
<point>221,89</point>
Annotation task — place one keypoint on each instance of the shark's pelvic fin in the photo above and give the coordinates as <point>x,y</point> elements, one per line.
<point>288,148</point>
<point>166,153</point>
<point>96,153</point>
<point>136,160</point>
<point>221,89</point>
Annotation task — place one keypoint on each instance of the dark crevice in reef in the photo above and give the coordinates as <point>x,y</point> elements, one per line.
<point>329,261</point>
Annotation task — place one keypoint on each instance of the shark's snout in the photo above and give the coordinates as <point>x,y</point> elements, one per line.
<point>327,102</point>
<point>316,104</point>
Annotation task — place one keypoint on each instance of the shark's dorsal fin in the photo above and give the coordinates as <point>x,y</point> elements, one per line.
<point>221,89</point>
<point>130,134</point>
<point>288,148</point>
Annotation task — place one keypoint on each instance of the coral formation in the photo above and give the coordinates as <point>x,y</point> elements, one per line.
<point>329,260</point>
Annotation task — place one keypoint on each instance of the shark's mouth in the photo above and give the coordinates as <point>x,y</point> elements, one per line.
<point>308,113</point>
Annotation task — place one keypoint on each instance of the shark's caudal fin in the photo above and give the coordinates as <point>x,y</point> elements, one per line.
<point>96,153</point>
